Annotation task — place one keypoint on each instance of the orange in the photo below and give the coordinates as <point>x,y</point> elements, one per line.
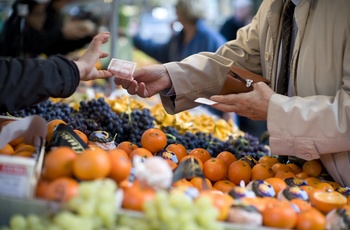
<point>223,185</point>
<point>51,125</point>
<point>312,181</point>
<point>326,201</point>
<point>154,140</point>
<point>311,219</point>
<point>172,164</point>
<point>279,214</point>
<point>178,149</point>
<point>284,174</point>
<point>25,147</point>
<point>197,160</point>
<point>295,168</point>
<point>308,189</point>
<point>313,168</point>
<point>227,157</point>
<point>258,202</point>
<point>200,185</point>
<point>280,167</point>
<point>268,159</point>
<point>182,182</point>
<point>92,164</point>
<point>142,152</point>
<point>324,186</point>
<point>41,188</point>
<point>239,171</point>
<point>7,150</point>
<point>334,184</point>
<point>120,165</point>
<point>222,202</point>
<point>62,189</point>
<point>16,141</point>
<point>59,163</point>
<point>24,154</point>
<point>136,195</point>
<point>301,204</point>
<point>277,183</point>
<point>214,169</point>
<point>201,153</point>
<point>301,175</point>
<point>261,171</point>
<point>127,146</point>
<point>82,135</point>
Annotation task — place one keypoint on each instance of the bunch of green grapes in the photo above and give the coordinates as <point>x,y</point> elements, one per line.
<point>174,210</point>
<point>93,209</point>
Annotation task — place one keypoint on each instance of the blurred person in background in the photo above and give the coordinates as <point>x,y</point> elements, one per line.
<point>23,34</point>
<point>242,15</point>
<point>194,37</point>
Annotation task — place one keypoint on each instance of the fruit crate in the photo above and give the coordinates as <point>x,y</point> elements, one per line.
<point>19,175</point>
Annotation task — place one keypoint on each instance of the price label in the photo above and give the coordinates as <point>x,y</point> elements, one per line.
<point>13,180</point>
<point>122,69</point>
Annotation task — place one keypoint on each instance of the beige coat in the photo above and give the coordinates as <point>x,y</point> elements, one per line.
<point>316,122</point>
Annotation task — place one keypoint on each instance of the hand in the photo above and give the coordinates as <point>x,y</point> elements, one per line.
<point>253,105</point>
<point>86,63</point>
<point>148,81</point>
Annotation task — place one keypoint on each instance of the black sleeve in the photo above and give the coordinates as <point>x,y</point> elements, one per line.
<point>27,82</point>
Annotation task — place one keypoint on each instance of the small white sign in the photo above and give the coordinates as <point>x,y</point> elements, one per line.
<point>122,68</point>
<point>205,101</point>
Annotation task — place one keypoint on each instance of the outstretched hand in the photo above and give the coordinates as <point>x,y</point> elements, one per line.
<point>253,105</point>
<point>86,63</point>
<point>148,81</point>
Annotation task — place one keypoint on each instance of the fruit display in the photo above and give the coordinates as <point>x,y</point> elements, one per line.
<point>121,164</point>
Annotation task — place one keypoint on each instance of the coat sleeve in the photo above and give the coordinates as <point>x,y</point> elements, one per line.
<point>27,82</point>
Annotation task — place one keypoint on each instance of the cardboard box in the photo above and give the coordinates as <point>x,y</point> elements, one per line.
<point>19,175</point>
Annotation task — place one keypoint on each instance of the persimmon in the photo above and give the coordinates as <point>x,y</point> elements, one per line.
<point>120,165</point>
<point>58,162</point>
<point>227,157</point>
<point>178,149</point>
<point>62,189</point>
<point>201,153</point>
<point>154,140</point>
<point>51,125</point>
<point>92,164</point>
<point>239,171</point>
<point>136,195</point>
<point>214,169</point>
<point>127,146</point>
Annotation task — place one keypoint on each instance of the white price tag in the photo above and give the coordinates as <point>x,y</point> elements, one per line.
<point>13,180</point>
<point>205,101</point>
<point>122,68</point>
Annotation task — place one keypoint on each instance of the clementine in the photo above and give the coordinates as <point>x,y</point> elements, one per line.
<point>201,153</point>
<point>59,163</point>
<point>227,157</point>
<point>51,125</point>
<point>201,183</point>
<point>214,169</point>
<point>127,146</point>
<point>82,136</point>
<point>92,164</point>
<point>261,171</point>
<point>136,195</point>
<point>279,214</point>
<point>239,171</point>
<point>7,150</point>
<point>311,219</point>
<point>179,150</point>
<point>195,158</point>
<point>120,165</point>
<point>154,140</point>
<point>223,185</point>
<point>143,152</point>
<point>326,201</point>
<point>62,189</point>
<point>277,183</point>
<point>313,168</point>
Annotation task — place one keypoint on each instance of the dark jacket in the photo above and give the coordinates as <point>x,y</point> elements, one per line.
<point>27,82</point>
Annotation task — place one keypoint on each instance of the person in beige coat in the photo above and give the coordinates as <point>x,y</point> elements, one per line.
<point>313,120</point>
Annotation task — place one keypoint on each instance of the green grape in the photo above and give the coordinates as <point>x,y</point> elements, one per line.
<point>109,185</point>
<point>191,226</point>
<point>150,210</point>
<point>53,227</point>
<point>75,203</point>
<point>87,190</point>
<point>67,220</point>
<point>18,221</point>
<point>4,228</point>
<point>106,196</point>
<point>185,217</point>
<point>203,202</point>
<point>214,225</point>
<point>106,212</point>
<point>180,201</point>
<point>33,221</point>
<point>206,216</point>
<point>97,222</point>
<point>87,209</point>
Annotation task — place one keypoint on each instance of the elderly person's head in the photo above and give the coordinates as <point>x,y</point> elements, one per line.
<point>190,10</point>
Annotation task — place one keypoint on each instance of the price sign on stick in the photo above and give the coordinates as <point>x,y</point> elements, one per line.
<point>123,69</point>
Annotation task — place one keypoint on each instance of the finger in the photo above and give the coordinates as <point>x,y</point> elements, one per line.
<point>142,92</point>
<point>125,84</point>
<point>104,54</point>
<point>118,81</point>
<point>133,88</point>
<point>104,74</point>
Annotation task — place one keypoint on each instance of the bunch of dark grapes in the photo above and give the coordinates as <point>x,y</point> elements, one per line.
<point>48,110</point>
<point>241,146</point>
<point>134,124</point>
<point>97,115</point>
